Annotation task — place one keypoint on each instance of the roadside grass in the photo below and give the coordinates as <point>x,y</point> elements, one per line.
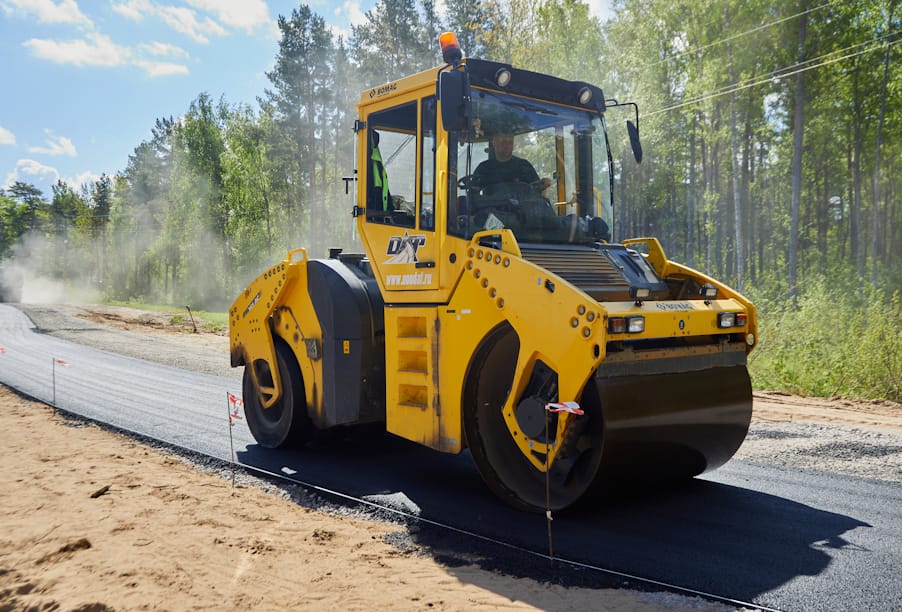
<point>205,319</point>
<point>833,340</point>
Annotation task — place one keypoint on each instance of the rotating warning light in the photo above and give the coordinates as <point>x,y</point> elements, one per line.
<point>451,52</point>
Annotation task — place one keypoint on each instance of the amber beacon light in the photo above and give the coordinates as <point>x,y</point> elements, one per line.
<point>451,52</point>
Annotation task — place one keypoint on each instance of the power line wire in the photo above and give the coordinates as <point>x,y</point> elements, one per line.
<point>767,79</point>
<point>741,34</point>
<point>780,73</point>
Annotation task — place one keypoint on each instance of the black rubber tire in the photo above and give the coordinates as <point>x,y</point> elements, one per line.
<point>285,423</point>
<point>498,459</point>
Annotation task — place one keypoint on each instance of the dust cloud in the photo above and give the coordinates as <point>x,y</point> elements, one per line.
<point>46,271</point>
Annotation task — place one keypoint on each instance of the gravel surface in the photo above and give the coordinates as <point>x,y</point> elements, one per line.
<point>137,333</point>
<point>841,449</point>
<point>790,432</point>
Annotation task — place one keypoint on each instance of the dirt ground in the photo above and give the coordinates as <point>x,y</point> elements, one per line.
<point>96,521</point>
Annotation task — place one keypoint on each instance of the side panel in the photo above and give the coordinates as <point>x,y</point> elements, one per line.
<point>349,310</point>
<point>413,407</point>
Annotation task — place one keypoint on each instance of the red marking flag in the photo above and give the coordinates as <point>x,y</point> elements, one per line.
<point>62,363</point>
<point>571,407</point>
<point>236,403</point>
<point>2,350</point>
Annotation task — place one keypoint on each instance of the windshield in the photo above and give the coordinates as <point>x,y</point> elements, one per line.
<point>539,169</point>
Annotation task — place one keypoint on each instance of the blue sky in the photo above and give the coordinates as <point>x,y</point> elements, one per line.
<point>83,81</point>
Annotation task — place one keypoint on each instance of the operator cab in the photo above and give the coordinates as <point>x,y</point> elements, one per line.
<point>422,197</point>
<point>566,145</point>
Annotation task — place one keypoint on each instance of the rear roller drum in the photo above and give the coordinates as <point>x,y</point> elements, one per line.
<point>286,422</point>
<point>500,461</point>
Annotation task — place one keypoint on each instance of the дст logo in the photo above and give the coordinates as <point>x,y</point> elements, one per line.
<point>404,248</point>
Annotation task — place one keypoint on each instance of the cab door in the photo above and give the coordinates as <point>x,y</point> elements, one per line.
<point>398,224</point>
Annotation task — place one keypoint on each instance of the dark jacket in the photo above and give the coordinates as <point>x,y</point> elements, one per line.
<point>515,170</point>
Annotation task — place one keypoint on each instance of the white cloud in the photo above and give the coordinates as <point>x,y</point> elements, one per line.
<point>352,10</point>
<point>133,9</point>
<point>60,146</point>
<point>48,11</point>
<point>97,50</point>
<point>336,32</point>
<point>185,21</point>
<point>160,49</point>
<point>85,178</point>
<point>348,12</point>
<point>36,170</point>
<point>242,14</point>
<point>7,137</point>
<point>157,69</point>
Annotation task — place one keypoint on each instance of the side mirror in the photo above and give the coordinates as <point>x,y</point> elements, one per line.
<point>633,132</point>
<point>454,95</point>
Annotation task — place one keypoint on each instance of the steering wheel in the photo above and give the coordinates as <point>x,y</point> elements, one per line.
<point>470,181</point>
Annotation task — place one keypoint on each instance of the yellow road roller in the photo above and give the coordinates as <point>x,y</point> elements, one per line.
<point>492,310</point>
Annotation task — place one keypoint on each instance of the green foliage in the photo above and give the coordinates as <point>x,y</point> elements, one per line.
<point>399,37</point>
<point>572,43</point>
<point>217,328</point>
<point>833,340</point>
<point>13,223</point>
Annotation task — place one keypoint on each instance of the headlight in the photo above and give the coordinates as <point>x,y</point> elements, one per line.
<point>626,325</point>
<point>726,319</point>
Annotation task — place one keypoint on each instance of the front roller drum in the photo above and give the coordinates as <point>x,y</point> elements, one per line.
<point>285,423</point>
<point>674,418</point>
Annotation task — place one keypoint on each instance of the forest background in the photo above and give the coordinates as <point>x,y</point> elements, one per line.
<point>773,161</point>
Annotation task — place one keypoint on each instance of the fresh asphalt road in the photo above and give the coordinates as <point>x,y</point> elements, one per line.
<point>786,539</point>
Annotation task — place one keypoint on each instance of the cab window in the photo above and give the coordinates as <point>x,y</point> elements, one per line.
<point>392,159</point>
<point>427,163</point>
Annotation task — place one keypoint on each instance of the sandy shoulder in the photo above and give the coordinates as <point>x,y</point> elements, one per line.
<point>94,520</point>
<point>873,414</point>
